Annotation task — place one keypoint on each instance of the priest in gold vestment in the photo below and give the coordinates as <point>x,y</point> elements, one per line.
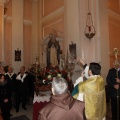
<point>92,92</point>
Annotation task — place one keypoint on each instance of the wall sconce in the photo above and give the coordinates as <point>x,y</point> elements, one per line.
<point>89,28</point>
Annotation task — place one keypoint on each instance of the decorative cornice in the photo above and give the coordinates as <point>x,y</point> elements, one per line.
<point>2,2</point>
<point>8,18</point>
<point>54,14</point>
<point>27,22</point>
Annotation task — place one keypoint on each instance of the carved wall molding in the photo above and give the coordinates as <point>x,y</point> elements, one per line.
<point>51,24</point>
<point>56,13</point>
<point>27,22</point>
<point>46,9</point>
<point>114,23</point>
<point>2,2</point>
<point>8,18</point>
<point>114,14</point>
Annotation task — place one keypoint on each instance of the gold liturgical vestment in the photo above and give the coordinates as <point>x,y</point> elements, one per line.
<point>94,97</point>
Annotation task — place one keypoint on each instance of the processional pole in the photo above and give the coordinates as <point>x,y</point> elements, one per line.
<point>116,53</point>
<point>36,64</point>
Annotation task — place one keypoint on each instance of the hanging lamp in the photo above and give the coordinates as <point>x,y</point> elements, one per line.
<point>89,28</point>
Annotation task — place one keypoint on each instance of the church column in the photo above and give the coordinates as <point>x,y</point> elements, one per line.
<point>103,36</point>
<point>72,29</point>
<point>17,32</point>
<point>1,30</point>
<point>71,23</point>
<point>40,31</point>
<point>96,49</point>
<point>35,45</point>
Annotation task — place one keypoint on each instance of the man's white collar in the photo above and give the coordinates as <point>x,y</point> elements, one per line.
<point>19,77</point>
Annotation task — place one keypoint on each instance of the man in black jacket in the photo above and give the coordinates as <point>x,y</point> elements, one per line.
<point>22,88</point>
<point>11,78</point>
<point>113,81</point>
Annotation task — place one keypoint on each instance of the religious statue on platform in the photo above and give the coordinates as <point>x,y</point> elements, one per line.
<point>53,55</point>
<point>53,51</point>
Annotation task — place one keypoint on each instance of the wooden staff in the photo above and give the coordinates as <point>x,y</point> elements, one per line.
<point>36,63</point>
<point>116,53</point>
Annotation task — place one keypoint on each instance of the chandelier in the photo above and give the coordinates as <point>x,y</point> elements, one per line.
<point>89,28</point>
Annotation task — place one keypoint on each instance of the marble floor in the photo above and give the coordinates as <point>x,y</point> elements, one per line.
<point>28,112</point>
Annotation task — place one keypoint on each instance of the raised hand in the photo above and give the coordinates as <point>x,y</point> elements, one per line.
<point>81,61</point>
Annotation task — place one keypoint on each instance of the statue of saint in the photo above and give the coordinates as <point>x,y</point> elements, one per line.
<point>53,56</point>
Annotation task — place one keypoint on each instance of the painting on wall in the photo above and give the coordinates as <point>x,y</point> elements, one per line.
<point>17,55</point>
<point>72,50</point>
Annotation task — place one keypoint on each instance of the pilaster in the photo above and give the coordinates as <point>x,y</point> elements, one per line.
<point>35,45</point>
<point>2,30</point>
<point>96,49</point>
<point>17,32</point>
<point>71,23</point>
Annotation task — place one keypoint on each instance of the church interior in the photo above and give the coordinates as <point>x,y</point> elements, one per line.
<point>57,32</point>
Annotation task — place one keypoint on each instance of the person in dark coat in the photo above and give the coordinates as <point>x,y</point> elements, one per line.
<point>22,89</point>
<point>11,77</point>
<point>113,82</point>
<point>2,71</point>
<point>5,97</point>
<point>62,105</point>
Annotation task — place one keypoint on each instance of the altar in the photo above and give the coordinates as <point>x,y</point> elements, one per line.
<point>39,102</point>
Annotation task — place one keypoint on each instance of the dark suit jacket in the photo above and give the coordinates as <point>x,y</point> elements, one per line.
<point>111,81</point>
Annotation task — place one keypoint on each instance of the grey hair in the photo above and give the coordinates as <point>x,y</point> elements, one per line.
<point>59,85</point>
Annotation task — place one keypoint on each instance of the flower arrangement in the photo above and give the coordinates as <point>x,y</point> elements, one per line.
<point>46,75</point>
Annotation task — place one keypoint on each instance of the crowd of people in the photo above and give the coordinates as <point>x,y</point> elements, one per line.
<point>88,98</point>
<point>15,89</point>
<point>87,101</point>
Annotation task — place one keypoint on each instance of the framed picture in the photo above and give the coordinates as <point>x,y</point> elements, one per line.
<point>18,55</point>
<point>72,50</point>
